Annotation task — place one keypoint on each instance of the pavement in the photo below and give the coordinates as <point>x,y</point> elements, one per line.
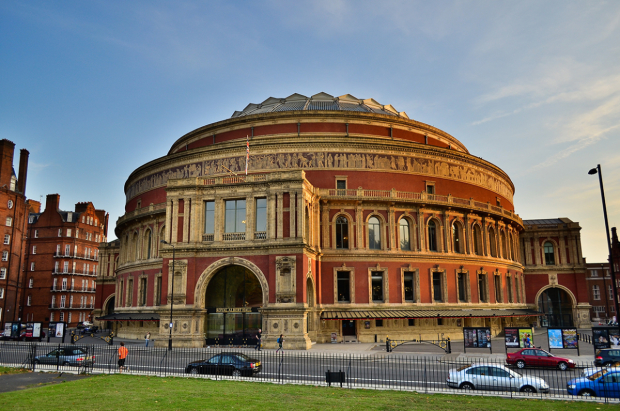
<point>14,382</point>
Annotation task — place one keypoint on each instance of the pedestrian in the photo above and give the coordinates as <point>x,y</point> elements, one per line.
<point>147,337</point>
<point>280,342</point>
<point>122,356</point>
<point>258,340</point>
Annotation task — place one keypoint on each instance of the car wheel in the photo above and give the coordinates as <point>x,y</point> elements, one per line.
<point>528,389</point>
<point>562,366</point>
<point>467,386</point>
<point>193,371</point>
<point>521,364</point>
<point>236,373</point>
<point>586,393</point>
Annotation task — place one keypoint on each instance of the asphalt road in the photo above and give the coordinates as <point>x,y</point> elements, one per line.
<point>373,370</point>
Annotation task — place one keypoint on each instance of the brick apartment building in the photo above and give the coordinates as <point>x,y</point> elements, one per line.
<point>13,222</point>
<point>61,261</point>
<point>600,292</point>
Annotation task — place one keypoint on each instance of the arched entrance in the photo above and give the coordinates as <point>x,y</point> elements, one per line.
<point>556,308</point>
<point>108,308</point>
<point>232,299</point>
<point>310,301</point>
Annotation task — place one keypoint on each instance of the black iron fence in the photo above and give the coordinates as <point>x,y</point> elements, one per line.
<point>372,370</point>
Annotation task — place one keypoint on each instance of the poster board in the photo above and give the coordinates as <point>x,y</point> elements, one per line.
<point>515,337</point>
<point>477,337</point>
<point>563,338</point>
<point>605,337</point>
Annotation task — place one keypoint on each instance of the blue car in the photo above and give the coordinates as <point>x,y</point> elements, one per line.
<point>605,383</point>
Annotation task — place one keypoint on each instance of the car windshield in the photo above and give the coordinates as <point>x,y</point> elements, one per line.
<point>516,374</point>
<point>597,375</point>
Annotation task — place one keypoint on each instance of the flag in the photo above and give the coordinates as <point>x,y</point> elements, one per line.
<point>247,154</point>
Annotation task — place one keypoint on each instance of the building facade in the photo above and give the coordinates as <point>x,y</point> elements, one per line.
<point>61,261</point>
<point>601,294</point>
<point>555,272</point>
<point>353,222</point>
<point>13,214</point>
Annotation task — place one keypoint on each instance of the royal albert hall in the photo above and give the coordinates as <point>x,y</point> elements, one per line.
<point>353,222</point>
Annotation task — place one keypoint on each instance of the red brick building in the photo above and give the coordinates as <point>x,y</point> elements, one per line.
<point>61,261</point>
<point>13,211</point>
<point>600,292</point>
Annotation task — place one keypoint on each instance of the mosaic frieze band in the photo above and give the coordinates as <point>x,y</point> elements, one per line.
<point>320,160</point>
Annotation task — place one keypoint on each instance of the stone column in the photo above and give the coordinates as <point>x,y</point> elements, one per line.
<point>392,228</point>
<point>187,214</point>
<point>271,215</point>
<point>175,221</point>
<point>196,222</point>
<point>168,222</point>
<point>220,218</point>
<point>300,214</point>
<point>325,210</point>
<point>359,226</point>
<point>292,202</point>
<point>421,242</point>
<point>280,215</point>
<point>250,214</point>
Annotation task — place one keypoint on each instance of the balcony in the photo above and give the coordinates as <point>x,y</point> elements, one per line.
<point>84,273</point>
<point>361,194</point>
<point>76,256</point>
<point>208,237</point>
<point>73,290</point>
<point>234,236</point>
<point>260,235</point>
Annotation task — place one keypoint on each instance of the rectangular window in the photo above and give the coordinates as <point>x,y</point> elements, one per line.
<point>56,263</point>
<point>3,273</point>
<point>430,188</point>
<point>261,214</point>
<point>594,273</point>
<point>55,284</point>
<point>509,287</point>
<point>518,289</point>
<point>498,288</point>
<point>69,317</point>
<point>77,233</point>
<point>34,249</point>
<point>63,300</point>
<point>344,287</point>
<point>437,294</point>
<point>62,316</point>
<point>52,315</point>
<point>64,284</point>
<point>7,239</point>
<point>158,291</point>
<point>411,322</point>
<point>31,283</point>
<point>611,292</point>
<point>71,302</point>
<point>341,184</point>
<point>210,218</point>
<point>142,292</point>
<point>5,256</point>
<point>67,250</point>
<point>377,286</point>
<point>68,232</point>
<point>235,216</point>
<point>1,293</point>
<point>9,221</point>
<point>378,323</point>
<point>60,232</point>
<point>129,292</point>
<point>32,266</point>
<point>596,292</point>
<point>482,288</point>
<point>65,268</point>
<point>408,287</point>
<point>461,286</point>
<point>36,233</point>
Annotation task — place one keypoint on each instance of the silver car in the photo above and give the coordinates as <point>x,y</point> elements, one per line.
<point>494,377</point>
<point>72,355</point>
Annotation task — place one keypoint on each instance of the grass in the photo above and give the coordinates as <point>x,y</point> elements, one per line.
<point>126,392</point>
<point>10,370</point>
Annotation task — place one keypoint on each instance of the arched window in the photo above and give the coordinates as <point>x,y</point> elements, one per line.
<point>432,236</point>
<point>134,244</point>
<point>405,241</point>
<point>374,233</point>
<point>511,246</point>
<point>504,245</point>
<point>149,240</point>
<point>456,238</point>
<point>549,253</point>
<point>493,242</point>
<point>477,240</point>
<point>342,232</point>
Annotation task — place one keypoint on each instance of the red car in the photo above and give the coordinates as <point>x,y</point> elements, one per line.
<point>535,357</point>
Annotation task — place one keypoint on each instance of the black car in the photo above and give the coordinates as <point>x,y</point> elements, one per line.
<point>231,363</point>
<point>607,356</point>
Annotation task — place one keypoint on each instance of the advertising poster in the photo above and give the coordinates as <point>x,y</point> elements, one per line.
<point>60,330</point>
<point>29,327</point>
<point>569,338</point>
<point>512,337</point>
<point>555,338</point>
<point>614,339</point>
<point>484,338</point>
<point>600,338</point>
<point>470,337</point>
<point>15,330</point>
<point>7,329</point>
<point>36,330</point>
<point>526,338</point>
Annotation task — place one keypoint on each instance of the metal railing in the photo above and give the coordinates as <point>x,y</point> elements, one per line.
<point>373,370</point>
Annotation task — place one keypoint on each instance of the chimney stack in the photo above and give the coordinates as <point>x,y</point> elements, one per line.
<point>7,148</point>
<point>23,171</point>
<point>52,202</point>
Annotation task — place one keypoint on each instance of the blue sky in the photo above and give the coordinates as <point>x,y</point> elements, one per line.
<point>95,89</point>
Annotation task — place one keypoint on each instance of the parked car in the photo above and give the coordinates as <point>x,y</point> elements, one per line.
<point>91,329</point>
<point>84,324</point>
<point>74,356</point>
<point>605,383</point>
<point>606,356</point>
<point>593,370</point>
<point>536,357</point>
<point>494,377</point>
<point>232,363</point>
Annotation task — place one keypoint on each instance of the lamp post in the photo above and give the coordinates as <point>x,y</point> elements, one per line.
<point>597,170</point>
<point>171,296</point>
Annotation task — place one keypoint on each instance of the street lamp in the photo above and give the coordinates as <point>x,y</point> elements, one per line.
<point>171,296</point>
<point>611,260</point>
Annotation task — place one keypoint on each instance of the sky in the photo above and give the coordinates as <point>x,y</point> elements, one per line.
<point>95,89</point>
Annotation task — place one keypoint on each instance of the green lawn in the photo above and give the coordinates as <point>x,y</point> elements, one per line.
<point>126,392</point>
<point>10,370</point>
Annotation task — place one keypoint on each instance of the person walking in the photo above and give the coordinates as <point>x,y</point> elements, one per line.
<point>147,337</point>
<point>280,342</point>
<point>122,356</point>
<point>258,340</point>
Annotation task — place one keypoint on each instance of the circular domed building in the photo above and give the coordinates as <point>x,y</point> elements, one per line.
<point>319,218</point>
